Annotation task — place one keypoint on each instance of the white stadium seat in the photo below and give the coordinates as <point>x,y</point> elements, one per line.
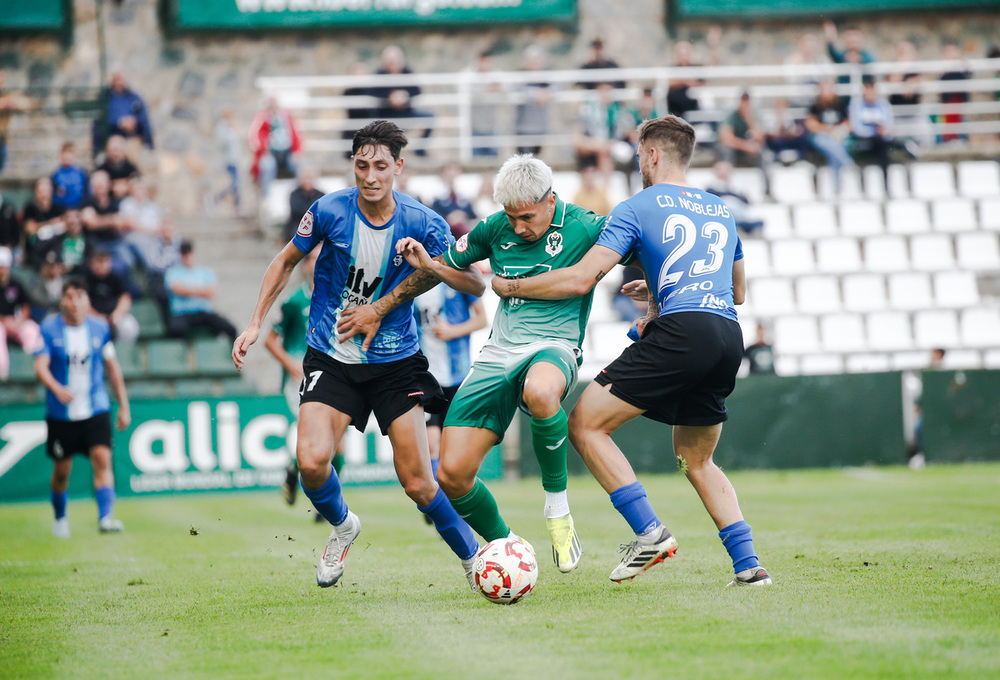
<point>817,294</point>
<point>991,358</point>
<point>771,297</point>
<point>906,217</point>
<point>978,250</point>
<point>756,258</point>
<point>932,180</point>
<point>566,184</point>
<point>956,289</point>
<point>777,222</point>
<point>793,184</point>
<point>910,290</point>
<point>864,292</point>
<point>954,214</point>
<point>989,214</point>
<point>838,255</point>
<point>889,331</point>
<point>750,183</point>
<point>910,361</point>
<point>814,220</point>
<point>850,184</point>
<point>873,183</point>
<point>935,328</point>
<point>981,327</point>
<point>426,188</point>
<point>821,364</point>
<point>867,363</point>
<point>978,178</point>
<point>932,252</point>
<point>792,257</point>
<point>796,335</point>
<point>842,332</point>
<point>861,219</point>
<point>786,365</point>
<point>886,254</point>
<point>899,181</point>
<point>959,359</point>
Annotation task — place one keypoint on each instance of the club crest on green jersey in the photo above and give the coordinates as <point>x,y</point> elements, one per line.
<point>553,244</point>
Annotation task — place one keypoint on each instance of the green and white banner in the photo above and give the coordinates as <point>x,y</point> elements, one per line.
<point>283,14</point>
<point>184,446</point>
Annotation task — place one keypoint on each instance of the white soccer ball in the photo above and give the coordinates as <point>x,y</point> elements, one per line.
<point>506,570</point>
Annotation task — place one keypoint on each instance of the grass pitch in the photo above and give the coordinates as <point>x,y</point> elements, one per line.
<point>879,573</point>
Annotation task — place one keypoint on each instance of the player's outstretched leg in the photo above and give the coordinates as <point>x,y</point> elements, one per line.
<point>455,532</point>
<point>462,452</point>
<point>653,542</point>
<point>329,502</point>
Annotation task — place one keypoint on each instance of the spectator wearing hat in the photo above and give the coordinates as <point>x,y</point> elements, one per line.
<point>15,314</point>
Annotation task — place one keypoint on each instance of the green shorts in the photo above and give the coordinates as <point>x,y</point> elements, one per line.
<point>491,393</point>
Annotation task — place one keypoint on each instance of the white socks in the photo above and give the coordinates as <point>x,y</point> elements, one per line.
<point>556,504</point>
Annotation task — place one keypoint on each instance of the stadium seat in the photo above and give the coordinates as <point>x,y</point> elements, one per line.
<point>786,365</point>
<point>750,183</point>
<point>861,219</point>
<point>756,258</point>
<point>935,328</point>
<point>931,252</point>
<point>954,214</point>
<point>980,327</point>
<point>213,357</point>
<point>932,180</point>
<point>817,294</point>
<point>978,178</point>
<point>909,361</point>
<point>793,184</point>
<point>814,220</point>
<point>796,335</point>
<point>564,183</point>
<point>906,217</point>
<point>955,289</point>
<point>910,290</point>
<point>792,257</point>
<point>991,358</point>
<point>842,332</point>
<point>239,386</point>
<point>889,331</point>
<point>850,184</point>
<point>192,388</point>
<point>864,292</point>
<point>962,359</point>
<point>151,325</point>
<point>168,358</point>
<point>618,188</point>
<point>22,366</point>
<point>150,389</point>
<point>426,188</point>
<point>867,363</point>
<point>777,222</point>
<point>978,251</point>
<point>821,364</point>
<point>130,359</point>
<point>771,297</point>
<point>886,254</point>
<point>989,214</point>
<point>16,394</point>
<point>875,184</point>
<point>838,255</point>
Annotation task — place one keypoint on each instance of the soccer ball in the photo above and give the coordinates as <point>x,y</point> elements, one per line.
<point>506,570</point>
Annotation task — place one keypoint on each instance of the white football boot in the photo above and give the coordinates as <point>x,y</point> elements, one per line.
<point>643,553</point>
<point>331,564</point>
<point>110,525</point>
<point>60,527</point>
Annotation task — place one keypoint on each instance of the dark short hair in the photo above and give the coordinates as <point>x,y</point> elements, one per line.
<point>74,283</point>
<point>186,247</point>
<point>380,133</point>
<point>673,135</point>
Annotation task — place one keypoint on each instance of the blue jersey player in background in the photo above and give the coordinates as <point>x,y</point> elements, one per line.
<point>684,365</point>
<point>71,361</point>
<point>346,375</point>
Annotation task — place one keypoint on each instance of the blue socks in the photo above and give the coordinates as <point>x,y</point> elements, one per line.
<point>328,499</point>
<point>632,503</point>
<point>453,529</point>
<point>59,501</point>
<point>739,542</point>
<point>105,502</point>
<point>434,467</point>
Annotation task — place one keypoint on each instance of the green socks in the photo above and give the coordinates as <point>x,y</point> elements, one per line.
<point>479,509</point>
<point>549,438</point>
<point>338,463</point>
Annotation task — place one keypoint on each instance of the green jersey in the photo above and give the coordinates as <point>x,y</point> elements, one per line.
<point>521,322</point>
<point>293,322</point>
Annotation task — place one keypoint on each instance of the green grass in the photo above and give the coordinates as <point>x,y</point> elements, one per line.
<point>879,573</point>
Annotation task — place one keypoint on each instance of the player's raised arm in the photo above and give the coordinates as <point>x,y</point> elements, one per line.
<point>275,279</point>
<point>562,283</point>
<point>466,280</point>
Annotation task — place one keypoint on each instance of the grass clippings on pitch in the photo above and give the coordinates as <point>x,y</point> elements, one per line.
<point>879,573</point>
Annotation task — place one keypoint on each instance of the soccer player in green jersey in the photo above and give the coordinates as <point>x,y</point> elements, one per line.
<point>287,343</point>
<point>531,359</point>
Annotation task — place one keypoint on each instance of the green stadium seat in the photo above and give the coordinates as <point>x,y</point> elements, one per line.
<point>151,325</point>
<point>130,359</point>
<point>213,357</point>
<point>15,394</point>
<point>22,366</point>
<point>238,386</point>
<point>168,358</point>
<point>149,389</point>
<point>194,388</point>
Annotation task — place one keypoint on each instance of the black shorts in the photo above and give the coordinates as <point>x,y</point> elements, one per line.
<point>389,390</point>
<point>68,437</point>
<point>437,419</point>
<point>682,370</point>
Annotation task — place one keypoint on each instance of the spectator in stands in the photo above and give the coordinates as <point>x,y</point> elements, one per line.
<point>484,90</point>
<point>121,170</point>
<point>452,200</point>
<point>15,314</point>
<point>73,244</point>
<point>828,127</point>
<point>43,222</point>
<point>301,199</point>
<point>125,115</point>
<point>531,115</point>
<point>785,136</point>
<point>597,60</point>
<point>102,222</point>
<point>853,52</point>
<point>275,144</point>
<point>760,355</point>
<point>810,66</point>
<point>593,191</point>
<point>871,127</point>
<point>396,101</point>
<point>680,101</point>
<point>69,181</point>
<point>227,140</point>
<point>191,290</point>
<point>737,202</point>
<point>905,104</point>
<point>959,71</point>
<point>143,221</point>
<point>11,231</point>
<point>599,129</point>
<point>45,291</point>
<point>741,141</point>
<point>109,296</point>
<point>10,102</point>
<point>631,118</point>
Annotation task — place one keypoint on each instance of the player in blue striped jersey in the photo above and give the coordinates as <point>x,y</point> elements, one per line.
<point>348,376</point>
<point>76,350</point>
<point>691,346</point>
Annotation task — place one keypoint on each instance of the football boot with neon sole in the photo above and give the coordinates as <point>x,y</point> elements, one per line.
<point>566,548</point>
<point>641,555</point>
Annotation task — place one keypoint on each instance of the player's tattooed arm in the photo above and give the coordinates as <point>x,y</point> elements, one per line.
<point>562,283</point>
<point>466,280</point>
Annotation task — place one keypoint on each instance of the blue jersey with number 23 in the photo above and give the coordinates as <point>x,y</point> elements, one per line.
<point>686,241</point>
